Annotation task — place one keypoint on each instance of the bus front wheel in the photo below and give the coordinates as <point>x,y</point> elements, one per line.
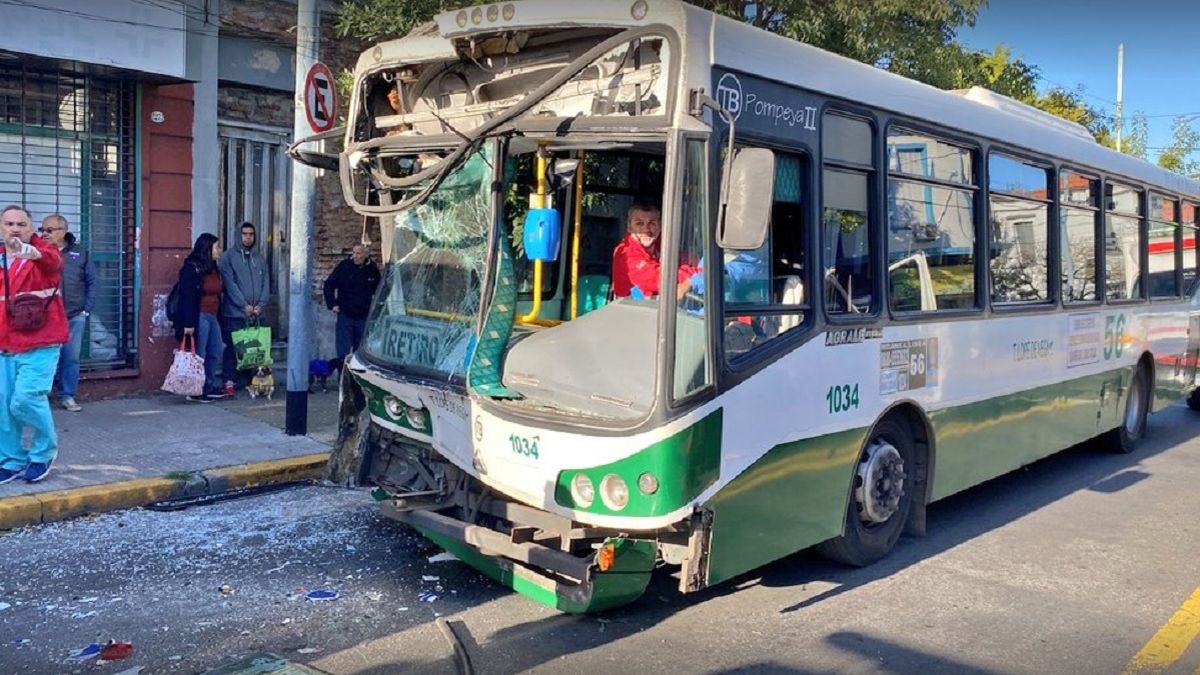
<point>1127,437</point>
<point>880,498</point>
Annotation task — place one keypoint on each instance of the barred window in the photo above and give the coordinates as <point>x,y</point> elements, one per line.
<point>67,147</point>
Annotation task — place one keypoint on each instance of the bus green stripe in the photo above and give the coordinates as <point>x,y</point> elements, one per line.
<point>792,497</point>
<point>797,493</point>
<point>980,441</point>
<point>684,464</point>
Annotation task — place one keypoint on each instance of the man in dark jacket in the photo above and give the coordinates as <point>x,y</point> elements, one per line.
<point>348,293</point>
<point>79,296</point>
<point>244,275</point>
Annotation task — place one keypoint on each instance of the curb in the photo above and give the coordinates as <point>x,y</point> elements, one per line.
<point>49,507</point>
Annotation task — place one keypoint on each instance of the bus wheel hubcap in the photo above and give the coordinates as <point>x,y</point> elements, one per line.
<point>880,482</point>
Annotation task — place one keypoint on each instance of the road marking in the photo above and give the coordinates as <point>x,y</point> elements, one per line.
<point>1170,642</point>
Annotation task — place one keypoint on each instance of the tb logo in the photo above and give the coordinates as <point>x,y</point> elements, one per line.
<point>729,94</point>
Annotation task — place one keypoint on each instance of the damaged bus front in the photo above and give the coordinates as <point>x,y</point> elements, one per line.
<point>523,414</point>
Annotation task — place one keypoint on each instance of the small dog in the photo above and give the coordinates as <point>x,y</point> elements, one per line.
<point>262,384</point>
<point>319,370</point>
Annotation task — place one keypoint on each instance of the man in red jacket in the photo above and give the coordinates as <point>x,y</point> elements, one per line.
<point>636,265</point>
<point>28,357</point>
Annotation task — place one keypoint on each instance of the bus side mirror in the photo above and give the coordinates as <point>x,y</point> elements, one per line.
<point>746,212</point>
<point>543,231</point>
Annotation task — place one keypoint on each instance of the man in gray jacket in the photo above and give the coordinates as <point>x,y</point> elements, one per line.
<point>79,296</point>
<point>244,275</point>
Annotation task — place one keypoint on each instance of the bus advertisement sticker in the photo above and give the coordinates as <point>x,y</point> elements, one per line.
<point>907,365</point>
<point>1084,339</point>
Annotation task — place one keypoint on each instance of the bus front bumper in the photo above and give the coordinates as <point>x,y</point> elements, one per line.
<point>555,578</point>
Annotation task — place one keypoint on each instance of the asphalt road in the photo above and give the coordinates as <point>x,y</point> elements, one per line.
<point>1071,565</point>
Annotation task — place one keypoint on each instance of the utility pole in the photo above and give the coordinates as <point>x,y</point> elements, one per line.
<point>1120,91</point>
<point>308,38</point>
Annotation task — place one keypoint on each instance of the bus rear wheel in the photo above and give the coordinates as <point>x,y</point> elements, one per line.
<point>1127,437</point>
<point>1193,401</point>
<point>880,498</point>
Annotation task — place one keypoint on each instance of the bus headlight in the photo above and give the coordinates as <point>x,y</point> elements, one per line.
<point>395,409</point>
<point>648,483</point>
<point>582,490</point>
<point>614,492</point>
<point>416,418</point>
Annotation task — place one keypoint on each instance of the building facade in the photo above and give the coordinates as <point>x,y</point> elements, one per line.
<point>145,125</point>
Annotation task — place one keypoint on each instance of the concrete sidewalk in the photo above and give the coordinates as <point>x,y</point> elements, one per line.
<point>130,452</point>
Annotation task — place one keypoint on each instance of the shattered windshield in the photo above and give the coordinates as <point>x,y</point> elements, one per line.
<point>425,312</point>
<point>584,342</point>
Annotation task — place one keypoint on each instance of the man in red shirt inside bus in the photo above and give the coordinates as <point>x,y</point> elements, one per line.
<point>636,265</point>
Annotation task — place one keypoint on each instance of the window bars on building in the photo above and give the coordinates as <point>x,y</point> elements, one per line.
<point>67,146</point>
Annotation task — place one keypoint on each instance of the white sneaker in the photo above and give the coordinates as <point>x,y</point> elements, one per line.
<point>69,403</point>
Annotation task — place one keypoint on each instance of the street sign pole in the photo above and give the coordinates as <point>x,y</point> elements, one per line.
<point>308,36</point>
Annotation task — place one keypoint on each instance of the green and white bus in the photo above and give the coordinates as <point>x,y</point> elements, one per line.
<point>887,293</point>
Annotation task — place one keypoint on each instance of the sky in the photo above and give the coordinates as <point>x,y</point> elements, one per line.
<point>1074,42</point>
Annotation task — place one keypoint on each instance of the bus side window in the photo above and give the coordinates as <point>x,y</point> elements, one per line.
<point>846,248</point>
<point>1162,245</point>
<point>1019,248</point>
<point>1079,199</point>
<point>763,289</point>
<point>693,369</point>
<point>1190,260</point>
<point>931,223</point>
<point>847,245</point>
<point>1123,243</point>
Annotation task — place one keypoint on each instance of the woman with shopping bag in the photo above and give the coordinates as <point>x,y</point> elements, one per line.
<point>199,300</point>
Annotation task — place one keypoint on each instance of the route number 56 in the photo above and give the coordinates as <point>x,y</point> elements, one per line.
<point>1114,333</point>
<point>916,363</point>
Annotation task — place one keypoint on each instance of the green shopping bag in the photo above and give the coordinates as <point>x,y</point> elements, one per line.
<point>252,345</point>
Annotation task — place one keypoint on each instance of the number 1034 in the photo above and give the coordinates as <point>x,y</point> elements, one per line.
<point>842,397</point>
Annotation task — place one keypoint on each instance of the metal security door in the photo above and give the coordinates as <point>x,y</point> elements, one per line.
<point>255,176</point>
<point>67,146</point>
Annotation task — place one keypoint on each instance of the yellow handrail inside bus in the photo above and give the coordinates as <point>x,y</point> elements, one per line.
<point>433,314</point>
<point>538,202</point>
<point>575,238</point>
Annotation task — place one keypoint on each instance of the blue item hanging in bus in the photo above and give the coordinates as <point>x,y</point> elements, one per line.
<point>543,231</point>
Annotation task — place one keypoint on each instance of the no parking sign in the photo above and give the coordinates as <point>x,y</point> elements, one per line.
<point>320,98</point>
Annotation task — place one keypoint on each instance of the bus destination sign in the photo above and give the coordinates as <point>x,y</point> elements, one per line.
<point>766,107</point>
